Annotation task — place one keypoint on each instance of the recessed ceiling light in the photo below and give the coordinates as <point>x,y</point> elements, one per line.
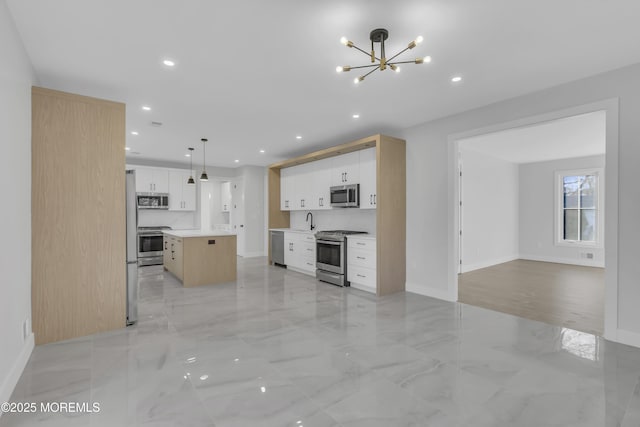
<point>127,148</point>
<point>168,63</point>
<point>298,137</point>
<point>187,155</point>
<point>134,132</point>
<point>237,161</point>
<point>456,79</point>
<point>262,151</point>
<point>146,108</point>
<point>356,116</point>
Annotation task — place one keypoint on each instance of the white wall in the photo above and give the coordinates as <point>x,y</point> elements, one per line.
<point>489,210</point>
<point>253,187</point>
<point>537,212</point>
<point>16,79</point>
<point>431,189</point>
<point>336,219</point>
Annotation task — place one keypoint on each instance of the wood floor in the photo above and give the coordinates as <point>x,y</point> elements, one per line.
<point>559,294</point>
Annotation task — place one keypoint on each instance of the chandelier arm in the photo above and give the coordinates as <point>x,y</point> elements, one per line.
<point>365,66</point>
<point>400,62</point>
<point>370,72</point>
<point>366,53</point>
<point>397,54</point>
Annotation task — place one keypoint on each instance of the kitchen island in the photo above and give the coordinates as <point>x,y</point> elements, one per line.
<point>198,257</point>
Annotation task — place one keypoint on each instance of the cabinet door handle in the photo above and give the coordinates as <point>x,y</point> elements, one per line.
<point>165,245</point>
<point>345,177</point>
<point>360,243</point>
<point>370,199</point>
<point>375,199</point>
<point>360,257</point>
<point>360,275</point>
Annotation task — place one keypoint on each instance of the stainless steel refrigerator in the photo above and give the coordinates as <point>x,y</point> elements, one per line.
<point>132,249</point>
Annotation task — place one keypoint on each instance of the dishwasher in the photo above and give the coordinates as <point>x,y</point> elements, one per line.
<point>277,248</point>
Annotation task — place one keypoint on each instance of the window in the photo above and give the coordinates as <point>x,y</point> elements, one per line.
<point>579,220</point>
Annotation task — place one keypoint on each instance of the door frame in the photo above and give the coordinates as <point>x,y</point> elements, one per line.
<point>611,107</point>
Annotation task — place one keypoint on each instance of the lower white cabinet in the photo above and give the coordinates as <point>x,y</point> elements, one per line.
<point>361,263</point>
<point>300,252</point>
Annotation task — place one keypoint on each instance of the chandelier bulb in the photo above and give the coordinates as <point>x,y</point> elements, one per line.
<point>344,68</point>
<point>419,39</point>
<point>344,40</point>
<point>358,79</point>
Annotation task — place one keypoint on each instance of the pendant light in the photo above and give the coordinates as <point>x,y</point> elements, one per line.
<point>204,176</point>
<point>190,180</point>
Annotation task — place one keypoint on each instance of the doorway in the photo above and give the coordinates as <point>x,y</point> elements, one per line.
<point>499,196</point>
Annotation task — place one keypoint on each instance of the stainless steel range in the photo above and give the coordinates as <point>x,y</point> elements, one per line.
<point>331,256</point>
<point>150,245</point>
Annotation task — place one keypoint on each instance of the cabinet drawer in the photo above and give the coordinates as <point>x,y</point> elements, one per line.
<point>367,244</point>
<point>363,276</point>
<point>308,237</point>
<point>361,258</point>
<point>307,249</point>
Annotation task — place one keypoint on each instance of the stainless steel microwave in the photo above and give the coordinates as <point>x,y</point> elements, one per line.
<point>152,200</point>
<point>345,196</point>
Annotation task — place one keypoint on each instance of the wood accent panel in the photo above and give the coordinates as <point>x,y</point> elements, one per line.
<point>559,294</point>
<point>277,218</point>
<point>78,215</point>
<point>391,215</point>
<point>349,147</point>
<point>205,264</point>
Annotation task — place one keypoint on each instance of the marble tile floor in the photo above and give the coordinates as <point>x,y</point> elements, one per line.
<point>278,348</point>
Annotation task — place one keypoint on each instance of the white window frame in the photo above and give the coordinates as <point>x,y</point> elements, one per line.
<point>559,208</point>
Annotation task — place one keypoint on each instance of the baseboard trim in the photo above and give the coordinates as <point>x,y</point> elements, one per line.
<point>253,254</point>
<point>16,371</point>
<point>556,260</point>
<point>485,264</point>
<point>428,291</point>
<point>628,337</point>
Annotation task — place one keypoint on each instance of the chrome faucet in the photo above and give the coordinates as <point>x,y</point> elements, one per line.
<point>312,226</point>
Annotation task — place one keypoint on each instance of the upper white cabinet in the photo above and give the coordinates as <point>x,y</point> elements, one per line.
<point>321,184</point>
<point>286,193</point>
<point>152,180</point>
<point>345,169</point>
<point>368,195</point>
<point>225,196</point>
<point>307,186</point>
<point>182,196</point>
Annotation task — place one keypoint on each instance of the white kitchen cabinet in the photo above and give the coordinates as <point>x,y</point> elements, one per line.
<point>361,263</point>
<point>286,201</point>
<point>345,169</point>
<point>225,196</point>
<point>182,196</point>
<point>321,184</point>
<point>152,180</point>
<point>300,186</point>
<point>368,196</point>
<point>300,252</point>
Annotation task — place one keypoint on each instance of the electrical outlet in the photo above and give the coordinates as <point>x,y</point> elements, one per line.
<point>25,329</point>
<point>586,255</point>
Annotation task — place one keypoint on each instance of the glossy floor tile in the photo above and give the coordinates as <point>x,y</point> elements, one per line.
<point>278,348</point>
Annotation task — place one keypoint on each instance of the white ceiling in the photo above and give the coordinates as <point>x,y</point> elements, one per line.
<point>252,75</point>
<point>577,136</point>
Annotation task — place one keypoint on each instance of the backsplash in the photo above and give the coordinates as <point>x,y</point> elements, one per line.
<point>175,219</point>
<point>337,219</point>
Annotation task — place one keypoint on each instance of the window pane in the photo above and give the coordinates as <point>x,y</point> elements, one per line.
<point>571,224</point>
<point>588,225</point>
<point>571,188</point>
<point>588,192</point>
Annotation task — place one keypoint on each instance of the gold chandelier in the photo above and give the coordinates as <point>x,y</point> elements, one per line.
<point>379,35</point>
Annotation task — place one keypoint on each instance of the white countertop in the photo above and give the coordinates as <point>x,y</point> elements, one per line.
<point>362,236</point>
<point>198,233</point>
<point>293,230</point>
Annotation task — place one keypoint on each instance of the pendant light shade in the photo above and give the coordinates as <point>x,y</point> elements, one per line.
<point>191,180</point>
<point>204,176</point>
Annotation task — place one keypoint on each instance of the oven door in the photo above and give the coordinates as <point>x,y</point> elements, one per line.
<point>330,256</point>
<point>149,245</point>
